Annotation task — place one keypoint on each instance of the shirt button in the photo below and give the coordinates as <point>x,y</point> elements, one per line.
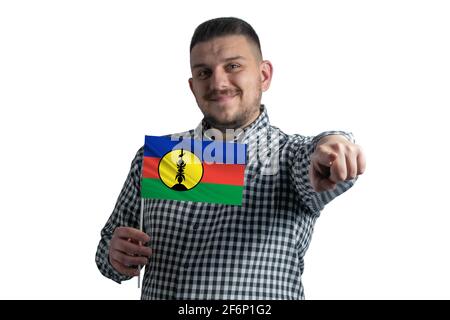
<point>195,226</point>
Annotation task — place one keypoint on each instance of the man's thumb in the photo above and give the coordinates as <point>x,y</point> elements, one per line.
<point>326,158</point>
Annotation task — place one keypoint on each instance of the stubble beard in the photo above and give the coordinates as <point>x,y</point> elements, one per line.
<point>242,118</point>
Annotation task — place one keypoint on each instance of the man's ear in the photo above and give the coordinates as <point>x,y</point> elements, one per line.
<point>191,85</point>
<point>266,70</point>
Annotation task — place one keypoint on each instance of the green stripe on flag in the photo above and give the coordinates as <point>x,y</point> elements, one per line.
<point>203,192</point>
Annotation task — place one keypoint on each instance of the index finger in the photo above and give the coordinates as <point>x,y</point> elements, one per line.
<point>131,233</point>
<point>324,157</point>
<point>338,170</point>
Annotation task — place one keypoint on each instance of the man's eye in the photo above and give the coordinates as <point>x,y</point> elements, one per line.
<point>233,66</point>
<point>203,74</point>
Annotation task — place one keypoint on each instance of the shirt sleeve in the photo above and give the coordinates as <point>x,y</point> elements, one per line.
<point>126,213</point>
<point>311,201</point>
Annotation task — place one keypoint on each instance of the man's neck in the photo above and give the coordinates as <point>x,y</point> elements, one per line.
<point>229,134</point>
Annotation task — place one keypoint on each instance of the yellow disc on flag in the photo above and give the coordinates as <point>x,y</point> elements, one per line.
<point>180,170</point>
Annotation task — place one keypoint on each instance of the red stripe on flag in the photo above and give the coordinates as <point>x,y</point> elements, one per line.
<point>232,174</point>
<point>224,173</point>
<point>150,167</point>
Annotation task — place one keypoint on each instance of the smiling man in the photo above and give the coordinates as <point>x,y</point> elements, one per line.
<point>195,250</point>
<point>228,78</point>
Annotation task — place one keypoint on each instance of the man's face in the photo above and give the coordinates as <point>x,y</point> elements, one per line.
<point>228,78</point>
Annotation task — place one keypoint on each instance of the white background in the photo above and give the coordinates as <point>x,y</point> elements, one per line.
<point>82,82</point>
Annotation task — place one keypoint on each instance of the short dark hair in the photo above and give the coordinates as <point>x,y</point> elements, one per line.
<point>228,26</point>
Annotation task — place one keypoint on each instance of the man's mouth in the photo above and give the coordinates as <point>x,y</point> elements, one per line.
<point>222,95</point>
<point>222,98</point>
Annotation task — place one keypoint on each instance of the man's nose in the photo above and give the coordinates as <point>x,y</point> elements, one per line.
<point>219,80</point>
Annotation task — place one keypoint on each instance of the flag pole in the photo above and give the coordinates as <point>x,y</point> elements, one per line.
<point>141,223</point>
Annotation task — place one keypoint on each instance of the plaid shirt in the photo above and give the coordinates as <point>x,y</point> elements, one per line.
<point>216,251</point>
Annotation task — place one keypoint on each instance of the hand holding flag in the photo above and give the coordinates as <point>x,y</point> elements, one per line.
<point>125,253</point>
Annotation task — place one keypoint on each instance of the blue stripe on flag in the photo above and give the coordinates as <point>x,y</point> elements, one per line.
<point>207,151</point>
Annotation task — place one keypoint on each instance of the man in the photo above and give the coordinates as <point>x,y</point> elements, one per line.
<point>195,250</point>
